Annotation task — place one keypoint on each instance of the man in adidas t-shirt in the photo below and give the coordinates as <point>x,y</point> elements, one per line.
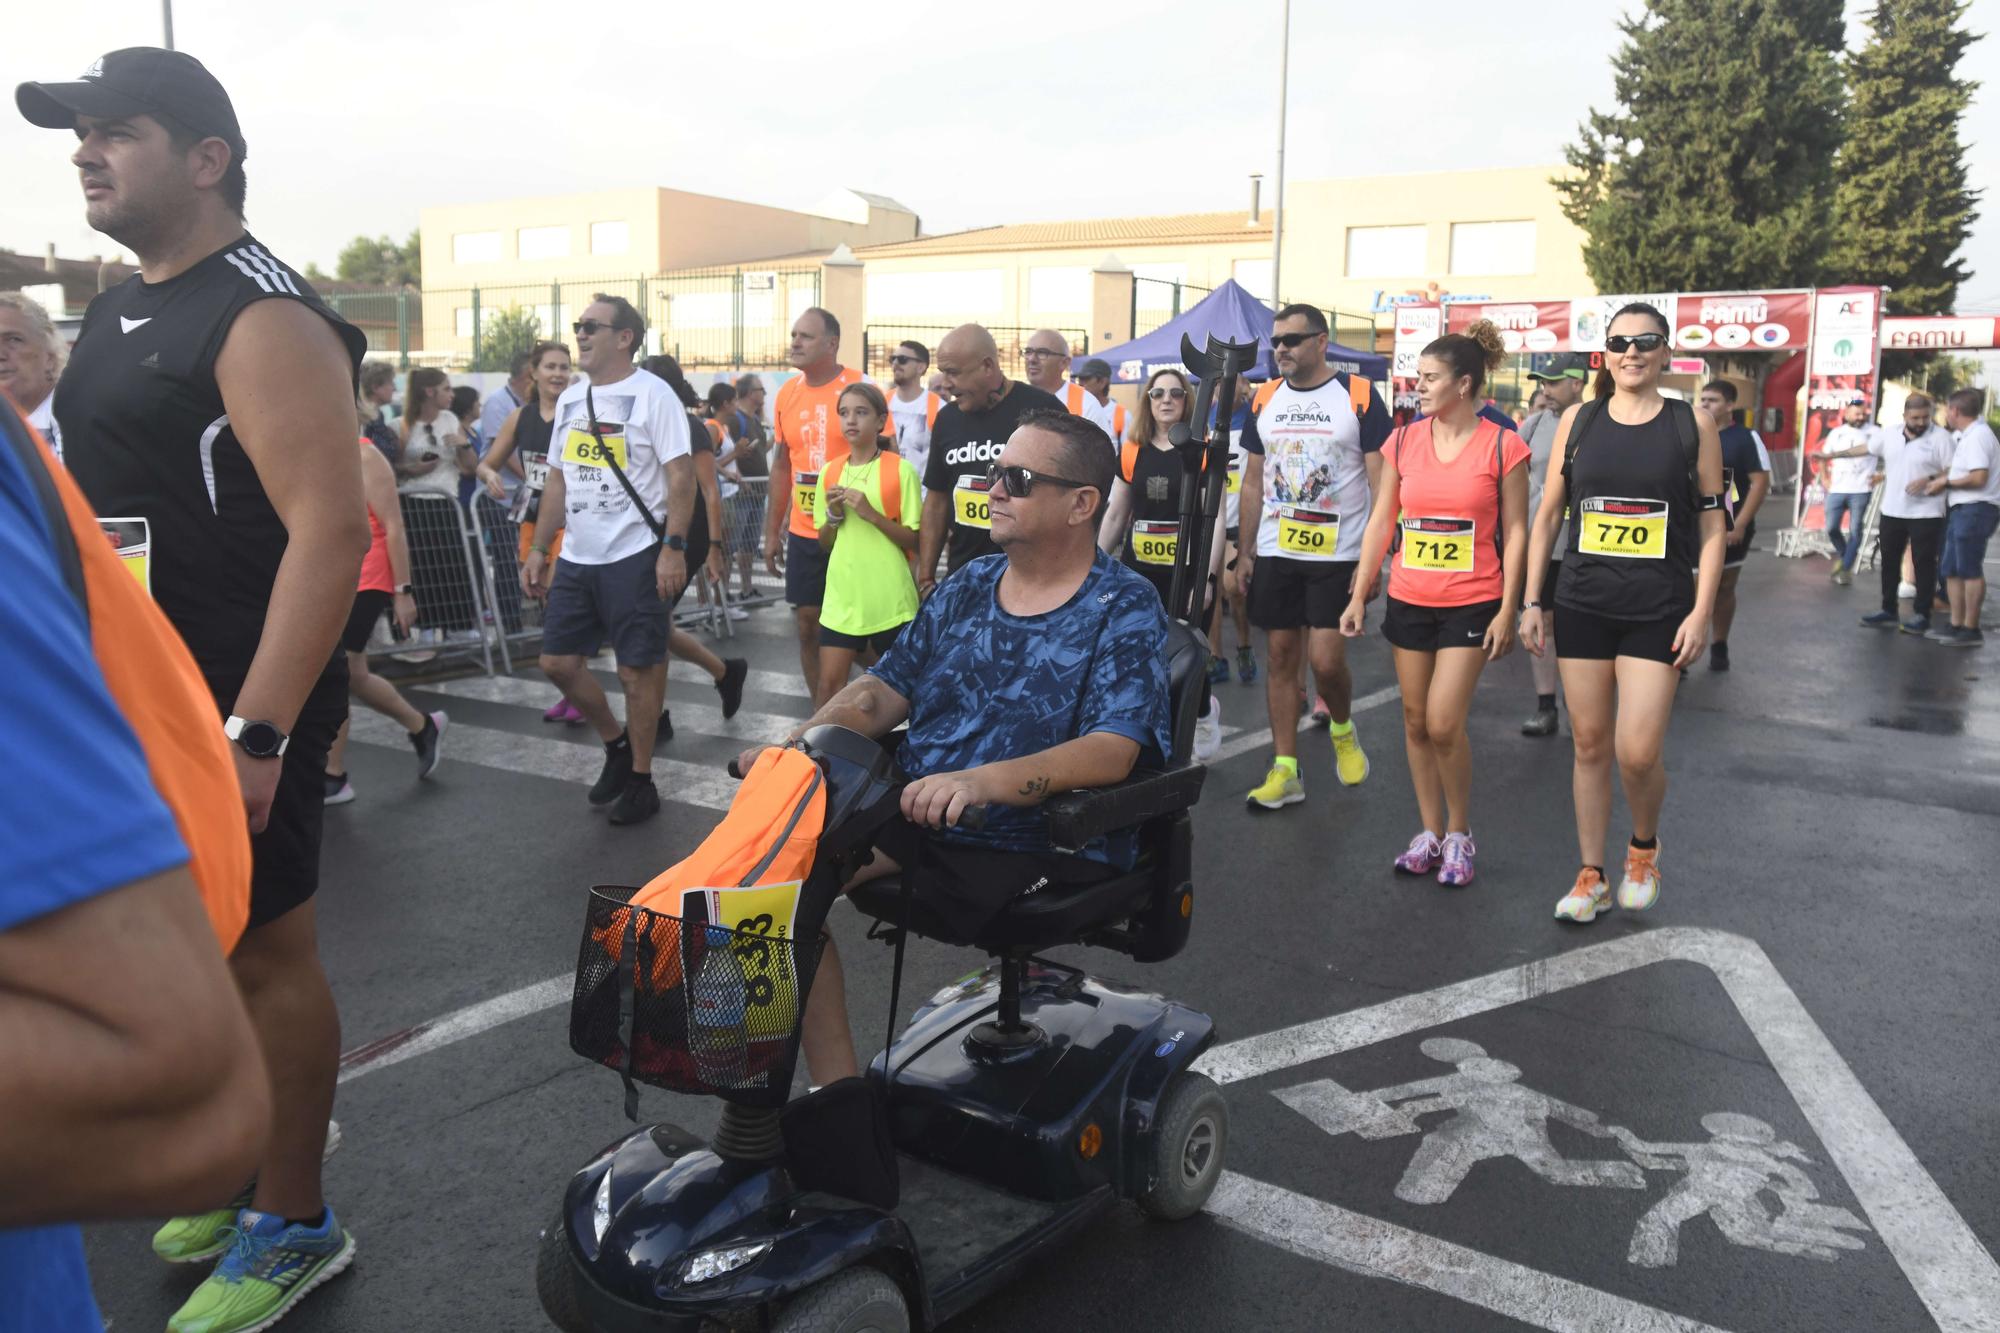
<point>970,431</point>
<point>913,409</point>
<point>1311,460</point>
<point>616,576</point>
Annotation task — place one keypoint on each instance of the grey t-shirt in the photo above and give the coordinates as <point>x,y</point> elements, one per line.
<point>1539,430</point>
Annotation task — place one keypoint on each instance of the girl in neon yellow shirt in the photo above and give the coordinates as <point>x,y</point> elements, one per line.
<point>868,506</point>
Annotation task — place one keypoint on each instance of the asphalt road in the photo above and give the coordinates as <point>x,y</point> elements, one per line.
<point>1816,981</point>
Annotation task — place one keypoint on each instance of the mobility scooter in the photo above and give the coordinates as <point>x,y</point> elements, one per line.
<point>1018,1103</point>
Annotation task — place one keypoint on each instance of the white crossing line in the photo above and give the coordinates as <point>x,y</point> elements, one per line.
<point>456,1026</point>
<point>700,717</point>
<point>760,680</point>
<point>1257,740</point>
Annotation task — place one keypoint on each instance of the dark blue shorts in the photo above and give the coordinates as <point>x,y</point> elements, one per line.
<point>619,601</point>
<point>805,570</point>
<point>1967,529</point>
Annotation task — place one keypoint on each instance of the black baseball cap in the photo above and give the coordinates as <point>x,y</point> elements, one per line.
<point>138,80</point>
<point>1561,365</point>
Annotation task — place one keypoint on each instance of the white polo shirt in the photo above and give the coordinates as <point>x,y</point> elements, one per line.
<point>1977,448</point>
<point>1905,460</point>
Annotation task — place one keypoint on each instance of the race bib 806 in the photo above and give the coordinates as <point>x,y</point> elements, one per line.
<point>969,504</point>
<point>1154,540</point>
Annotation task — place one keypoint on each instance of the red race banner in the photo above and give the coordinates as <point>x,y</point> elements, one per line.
<point>1938,333</point>
<point>1525,326</point>
<point>1743,321</point>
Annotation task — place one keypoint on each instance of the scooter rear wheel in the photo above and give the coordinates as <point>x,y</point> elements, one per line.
<point>860,1300</point>
<point>553,1283</point>
<point>1190,1139</point>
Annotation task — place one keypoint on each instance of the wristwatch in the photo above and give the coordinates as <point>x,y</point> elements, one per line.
<point>406,590</point>
<point>675,542</point>
<point>259,740</point>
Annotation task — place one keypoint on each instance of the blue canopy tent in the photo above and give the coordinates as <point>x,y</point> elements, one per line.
<point>1229,312</point>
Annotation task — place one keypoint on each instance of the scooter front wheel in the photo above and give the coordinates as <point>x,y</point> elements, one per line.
<point>553,1283</point>
<point>1190,1137</point>
<point>860,1300</point>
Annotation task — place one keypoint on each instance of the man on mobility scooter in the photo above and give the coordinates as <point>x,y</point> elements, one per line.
<point>1041,797</point>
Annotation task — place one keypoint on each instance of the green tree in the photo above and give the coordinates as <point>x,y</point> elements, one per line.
<point>1715,170</point>
<point>381,261</point>
<point>1901,200</point>
<point>502,334</point>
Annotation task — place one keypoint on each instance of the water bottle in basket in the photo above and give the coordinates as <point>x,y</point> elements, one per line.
<point>717,1032</point>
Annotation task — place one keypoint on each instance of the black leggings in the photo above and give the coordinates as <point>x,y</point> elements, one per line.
<point>1922,536</point>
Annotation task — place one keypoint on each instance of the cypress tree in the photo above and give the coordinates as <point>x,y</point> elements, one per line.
<point>1901,200</point>
<point>1715,170</point>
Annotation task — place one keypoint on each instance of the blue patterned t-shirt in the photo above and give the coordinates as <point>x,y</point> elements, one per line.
<point>985,686</point>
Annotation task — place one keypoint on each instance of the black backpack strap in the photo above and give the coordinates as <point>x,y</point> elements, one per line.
<point>62,540</point>
<point>1586,416</point>
<point>1690,436</point>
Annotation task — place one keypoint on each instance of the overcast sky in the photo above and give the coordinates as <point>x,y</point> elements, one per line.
<point>359,112</point>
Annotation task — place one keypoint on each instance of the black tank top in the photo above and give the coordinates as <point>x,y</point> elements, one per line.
<point>1156,499</point>
<point>1620,478</point>
<point>145,435</point>
<point>531,445</point>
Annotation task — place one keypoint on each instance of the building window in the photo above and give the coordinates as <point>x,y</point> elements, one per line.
<point>542,242</point>
<point>957,294</point>
<point>1254,276</point>
<point>610,238</point>
<point>1482,248</point>
<point>1385,252</point>
<point>475,247</point>
<point>1059,291</point>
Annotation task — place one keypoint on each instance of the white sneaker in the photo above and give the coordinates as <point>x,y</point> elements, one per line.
<point>1208,732</point>
<point>1906,590</point>
<point>738,613</point>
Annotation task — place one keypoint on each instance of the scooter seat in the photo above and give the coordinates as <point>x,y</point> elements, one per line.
<point>1041,920</point>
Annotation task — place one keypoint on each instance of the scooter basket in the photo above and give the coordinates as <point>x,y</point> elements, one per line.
<point>688,1005</point>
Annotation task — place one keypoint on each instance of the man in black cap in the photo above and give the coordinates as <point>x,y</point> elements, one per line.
<point>1562,377</point>
<point>211,399</point>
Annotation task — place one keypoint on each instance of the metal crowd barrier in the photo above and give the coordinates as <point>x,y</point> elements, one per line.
<point>454,593</point>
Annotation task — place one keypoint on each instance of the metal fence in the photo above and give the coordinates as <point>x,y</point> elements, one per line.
<point>705,317</point>
<point>1156,302</point>
<point>454,593</point>
<point>878,341</point>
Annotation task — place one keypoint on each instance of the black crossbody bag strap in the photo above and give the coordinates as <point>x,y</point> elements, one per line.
<point>604,455</point>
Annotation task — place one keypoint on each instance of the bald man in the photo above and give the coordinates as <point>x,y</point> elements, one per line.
<point>985,408</point>
<point>1046,357</point>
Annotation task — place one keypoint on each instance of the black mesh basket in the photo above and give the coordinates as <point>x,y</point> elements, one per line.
<point>687,1005</point>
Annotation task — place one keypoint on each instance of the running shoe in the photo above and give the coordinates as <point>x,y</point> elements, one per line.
<point>617,772</point>
<point>559,711</point>
<point>1321,714</point>
<point>1906,590</point>
<point>572,715</point>
<point>1455,869</point>
<point>1843,576</point>
<point>199,1236</point>
<point>339,791</point>
<point>1966,637</point>
<point>1218,670</point>
<point>1281,787</point>
<point>1543,723</point>
<point>738,613</point>
<point>429,743</point>
<point>267,1269</point>
<point>1246,665</point>
<point>1880,620</point>
<point>1941,633</point>
<point>639,802</point>
<point>1208,732</point>
<point>1349,763</point>
<point>665,731</point>
<point>1421,856</point>
<point>1640,888</point>
<point>1916,625</point>
<point>735,670</point>
<point>1718,656</point>
<point>1585,899</point>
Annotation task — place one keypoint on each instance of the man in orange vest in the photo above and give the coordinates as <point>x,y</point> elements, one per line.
<point>805,430</point>
<point>1089,396</point>
<point>134,1082</point>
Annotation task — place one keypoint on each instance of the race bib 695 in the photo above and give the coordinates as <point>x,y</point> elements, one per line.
<point>585,450</point>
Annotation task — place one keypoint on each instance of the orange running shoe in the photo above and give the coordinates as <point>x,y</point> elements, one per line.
<point>1585,899</point>
<point>1641,886</point>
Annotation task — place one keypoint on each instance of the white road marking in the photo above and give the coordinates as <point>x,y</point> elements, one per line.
<point>1260,738</point>
<point>1335,1235</point>
<point>462,1023</point>
<point>760,680</point>
<point>1957,1280</point>
<point>695,714</point>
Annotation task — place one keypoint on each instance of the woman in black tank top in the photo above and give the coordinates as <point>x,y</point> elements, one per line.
<point>524,437</point>
<point>1640,477</point>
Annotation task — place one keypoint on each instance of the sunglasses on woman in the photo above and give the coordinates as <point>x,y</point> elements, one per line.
<point>1165,392</point>
<point>1021,482</point>
<point>1626,342</point>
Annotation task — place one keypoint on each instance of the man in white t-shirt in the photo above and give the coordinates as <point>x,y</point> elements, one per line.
<point>1089,397</point>
<point>1907,459</point>
<point>1312,455</point>
<point>1971,487</point>
<point>1847,470</point>
<point>913,409</point>
<point>620,474</point>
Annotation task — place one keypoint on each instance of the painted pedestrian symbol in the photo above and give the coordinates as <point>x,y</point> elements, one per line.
<point>1492,1115</point>
<point>1726,1178</point>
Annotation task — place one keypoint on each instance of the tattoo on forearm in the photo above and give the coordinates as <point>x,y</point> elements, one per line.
<point>1035,788</point>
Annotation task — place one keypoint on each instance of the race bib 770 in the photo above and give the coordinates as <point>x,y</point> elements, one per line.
<point>1626,529</point>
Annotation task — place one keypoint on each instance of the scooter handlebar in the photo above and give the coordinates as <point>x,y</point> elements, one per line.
<point>972,818</point>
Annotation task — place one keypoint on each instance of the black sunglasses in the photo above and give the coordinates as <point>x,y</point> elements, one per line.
<point>905,360</point>
<point>587,328</point>
<point>1021,482</point>
<point>1625,342</point>
<point>1291,340</point>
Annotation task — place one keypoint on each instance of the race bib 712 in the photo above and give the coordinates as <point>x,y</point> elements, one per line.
<point>1438,545</point>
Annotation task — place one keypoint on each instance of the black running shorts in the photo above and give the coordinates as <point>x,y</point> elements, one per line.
<point>1287,593</point>
<point>1581,634</point>
<point>1425,629</point>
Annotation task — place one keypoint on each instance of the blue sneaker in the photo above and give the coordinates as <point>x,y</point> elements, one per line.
<point>270,1265</point>
<point>1218,670</point>
<point>1880,620</point>
<point>1246,665</point>
<point>1917,625</point>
